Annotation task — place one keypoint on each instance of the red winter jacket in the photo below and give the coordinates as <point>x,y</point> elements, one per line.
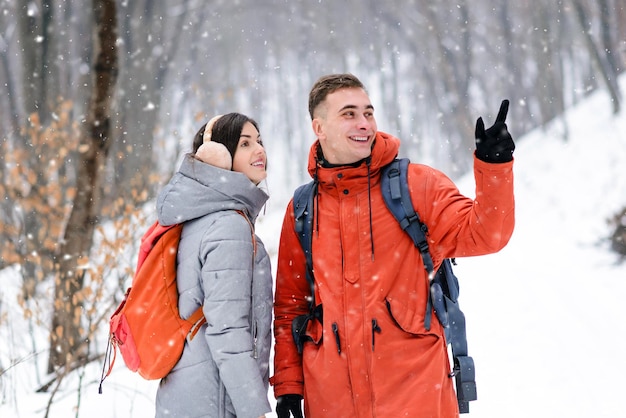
<point>372,357</point>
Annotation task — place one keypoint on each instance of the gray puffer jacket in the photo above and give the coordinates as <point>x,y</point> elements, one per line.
<point>225,374</point>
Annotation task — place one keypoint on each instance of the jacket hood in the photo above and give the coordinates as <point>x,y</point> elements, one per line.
<point>198,189</point>
<point>360,176</point>
<point>384,150</point>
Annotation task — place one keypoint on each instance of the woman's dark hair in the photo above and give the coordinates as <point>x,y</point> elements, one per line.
<point>227,131</point>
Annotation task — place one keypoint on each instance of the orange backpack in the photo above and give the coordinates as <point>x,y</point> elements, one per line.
<point>147,327</point>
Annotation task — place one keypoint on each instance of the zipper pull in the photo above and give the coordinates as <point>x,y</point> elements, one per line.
<point>255,353</point>
<point>336,332</point>
<point>375,329</point>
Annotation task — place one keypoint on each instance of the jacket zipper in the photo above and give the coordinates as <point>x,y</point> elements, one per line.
<point>375,329</point>
<point>255,353</point>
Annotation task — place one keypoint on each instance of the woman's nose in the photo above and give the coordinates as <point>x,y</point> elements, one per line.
<point>260,149</point>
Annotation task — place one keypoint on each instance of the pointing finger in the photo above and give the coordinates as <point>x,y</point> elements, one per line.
<point>504,109</point>
<point>480,128</point>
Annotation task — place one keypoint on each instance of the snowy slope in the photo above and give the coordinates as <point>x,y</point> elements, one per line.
<point>545,315</point>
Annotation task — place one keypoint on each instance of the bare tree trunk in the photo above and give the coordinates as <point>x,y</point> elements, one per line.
<point>516,90</point>
<point>12,110</point>
<point>453,71</point>
<point>608,29</point>
<point>620,18</point>
<point>68,342</point>
<point>546,43</point>
<point>597,57</point>
<point>29,31</point>
<point>47,90</point>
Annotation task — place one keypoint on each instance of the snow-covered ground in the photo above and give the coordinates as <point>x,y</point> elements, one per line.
<point>546,316</point>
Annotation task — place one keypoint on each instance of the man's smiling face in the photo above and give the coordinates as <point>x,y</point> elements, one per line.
<point>345,126</point>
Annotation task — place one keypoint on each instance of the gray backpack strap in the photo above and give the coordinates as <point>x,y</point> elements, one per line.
<point>304,209</point>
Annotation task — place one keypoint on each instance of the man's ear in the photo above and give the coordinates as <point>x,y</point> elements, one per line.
<point>318,130</point>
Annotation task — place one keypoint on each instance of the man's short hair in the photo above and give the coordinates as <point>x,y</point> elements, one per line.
<point>329,84</point>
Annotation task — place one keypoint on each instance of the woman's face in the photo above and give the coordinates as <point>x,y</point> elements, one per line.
<point>250,158</point>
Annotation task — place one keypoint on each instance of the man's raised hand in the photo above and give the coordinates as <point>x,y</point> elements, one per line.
<point>495,145</point>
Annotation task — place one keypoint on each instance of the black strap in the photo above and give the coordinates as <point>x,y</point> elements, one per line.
<point>303,206</point>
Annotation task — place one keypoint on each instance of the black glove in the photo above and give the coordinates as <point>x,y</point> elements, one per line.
<point>287,404</point>
<point>495,145</point>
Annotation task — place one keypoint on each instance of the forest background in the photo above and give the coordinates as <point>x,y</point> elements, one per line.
<point>99,100</point>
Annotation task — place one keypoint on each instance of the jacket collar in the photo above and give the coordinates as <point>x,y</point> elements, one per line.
<point>198,189</point>
<point>384,150</point>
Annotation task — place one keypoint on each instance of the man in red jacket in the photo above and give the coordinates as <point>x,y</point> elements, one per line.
<point>369,353</point>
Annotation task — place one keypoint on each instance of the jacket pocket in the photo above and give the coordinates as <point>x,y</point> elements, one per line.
<point>407,301</point>
<point>405,318</point>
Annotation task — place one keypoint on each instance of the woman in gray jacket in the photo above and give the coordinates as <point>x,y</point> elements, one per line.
<point>223,266</point>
